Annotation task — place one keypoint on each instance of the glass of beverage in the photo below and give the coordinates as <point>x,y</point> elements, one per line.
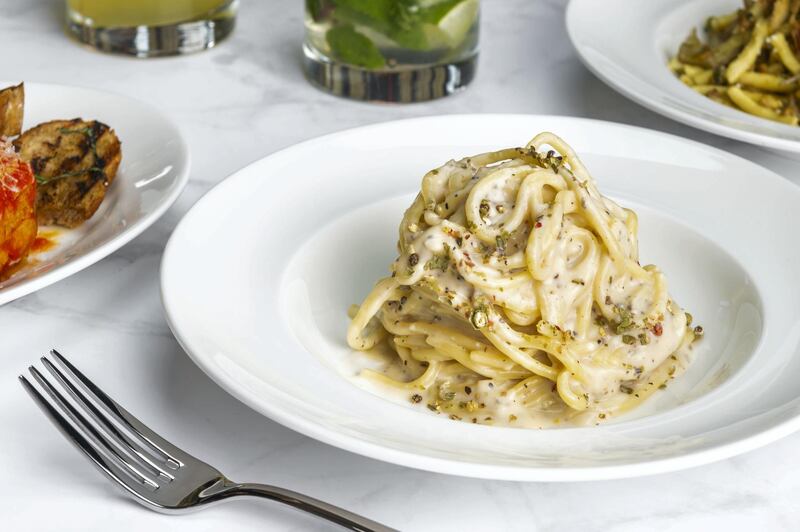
<point>391,50</point>
<point>148,28</point>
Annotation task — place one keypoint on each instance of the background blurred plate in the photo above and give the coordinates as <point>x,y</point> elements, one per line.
<point>630,54</point>
<point>257,278</point>
<point>153,172</point>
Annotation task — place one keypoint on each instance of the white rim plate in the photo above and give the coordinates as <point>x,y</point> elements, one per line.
<point>257,278</point>
<point>153,172</point>
<point>631,57</point>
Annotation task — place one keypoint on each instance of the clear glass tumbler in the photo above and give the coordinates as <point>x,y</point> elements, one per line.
<point>391,50</point>
<point>148,28</point>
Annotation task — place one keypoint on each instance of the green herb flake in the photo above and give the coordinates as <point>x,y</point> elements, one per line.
<point>625,320</point>
<point>483,210</point>
<point>438,262</point>
<point>628,339</point>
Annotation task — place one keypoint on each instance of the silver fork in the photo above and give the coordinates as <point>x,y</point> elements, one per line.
<point>150,469</point>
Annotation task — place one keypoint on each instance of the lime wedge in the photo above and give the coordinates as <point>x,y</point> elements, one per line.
<point>435,38</point>
<point>456,23</point>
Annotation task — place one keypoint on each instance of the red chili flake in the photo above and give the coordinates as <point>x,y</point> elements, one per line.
<point>537,225</point>
<point>658,330</point>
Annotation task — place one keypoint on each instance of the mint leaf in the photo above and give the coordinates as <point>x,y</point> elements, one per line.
<point>386,18</point>
<point>354,48</point>
<point>377,11</point>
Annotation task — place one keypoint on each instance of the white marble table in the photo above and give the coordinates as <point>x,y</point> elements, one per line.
<point>236,104</point>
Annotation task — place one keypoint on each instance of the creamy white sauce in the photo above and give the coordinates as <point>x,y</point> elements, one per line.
<point>497,251</point>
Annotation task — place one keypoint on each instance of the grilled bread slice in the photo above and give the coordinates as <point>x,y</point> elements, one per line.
<point>12,104</point>
<point>74,162</point>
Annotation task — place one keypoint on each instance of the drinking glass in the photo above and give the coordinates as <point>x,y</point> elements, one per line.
<point>147,28</point>
<point>391,50</point>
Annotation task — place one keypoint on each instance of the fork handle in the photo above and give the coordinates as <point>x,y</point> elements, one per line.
<point>308,504</point>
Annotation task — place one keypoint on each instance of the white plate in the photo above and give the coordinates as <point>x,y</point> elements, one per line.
<point>631,56</point>
<point>257,278</point>
<point>153,172</point>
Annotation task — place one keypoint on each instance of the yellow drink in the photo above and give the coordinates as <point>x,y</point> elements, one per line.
<point>126,13</point>
<point>151,28</point>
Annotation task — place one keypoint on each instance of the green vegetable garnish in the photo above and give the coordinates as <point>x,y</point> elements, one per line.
<point>354,48</point>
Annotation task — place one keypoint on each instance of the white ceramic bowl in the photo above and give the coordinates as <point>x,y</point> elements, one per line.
<point>257,278</point>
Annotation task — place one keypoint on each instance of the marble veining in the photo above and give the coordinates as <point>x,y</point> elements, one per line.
<point>235,104</point>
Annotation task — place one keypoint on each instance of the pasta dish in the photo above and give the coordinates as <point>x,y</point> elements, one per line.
<point>518,299</point>
<point>749,60</point>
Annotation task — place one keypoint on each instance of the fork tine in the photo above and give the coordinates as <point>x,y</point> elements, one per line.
<point>125,418</point>
<point>76,438</point>
<point>119,437</point>
<point>80,424</point>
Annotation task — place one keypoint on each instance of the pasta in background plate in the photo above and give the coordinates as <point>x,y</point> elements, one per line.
<point>749,60</point>
<point>518,299</point>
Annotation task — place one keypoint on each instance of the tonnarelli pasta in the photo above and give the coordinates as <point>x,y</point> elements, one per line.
<point>518,298</point>
<point>748,61</point>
